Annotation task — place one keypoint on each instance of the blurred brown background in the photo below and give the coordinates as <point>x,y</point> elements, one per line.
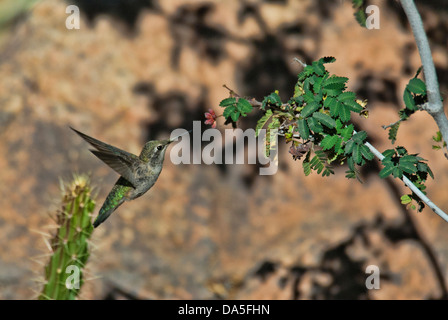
<point>137,70</point>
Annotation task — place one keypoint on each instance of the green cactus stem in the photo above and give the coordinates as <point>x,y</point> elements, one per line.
<point>64,271</point>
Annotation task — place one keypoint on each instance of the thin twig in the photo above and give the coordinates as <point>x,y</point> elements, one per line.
<point>378,154</point>
<point>300,61</point>
<point>391,125</point>
<point>435,106</point>
<point>233,93</point>
<point>412,186</point>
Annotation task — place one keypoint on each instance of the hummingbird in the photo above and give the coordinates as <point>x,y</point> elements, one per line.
<point>137,173</point>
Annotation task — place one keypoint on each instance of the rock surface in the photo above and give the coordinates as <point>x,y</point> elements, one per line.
<point>207,231</point>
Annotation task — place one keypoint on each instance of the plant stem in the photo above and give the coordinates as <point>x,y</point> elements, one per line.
<point>411,186</point>
<point>435,105</point>
<point>408,182</point>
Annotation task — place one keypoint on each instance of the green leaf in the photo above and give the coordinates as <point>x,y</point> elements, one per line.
<point>416,86</point>
<point>314,125</point>
<point>327,59</point>
<point>307,71</point>
<point>401,151</point>
<point>349,147</point>
<point>408,167</point>
<point>405,199</point>
<point>351,163</point>
<point>350,174</point>
<point>346,132</point>
<point>388,153</point>
<point>318,67</point>
<point>306,168</point>
<point>229,111</point>
<point>347,96</point>
<point>309,96</point>
<point>437,137</point>
<point>261,123</point>
<point>303,129</point>
<point>227,102</point>
<point>333,86</point>
<point>244,106</point>
<point>344,113</point>
<point>354,106</point>
<point>386,171</point>
<point>333,89</point>
<point>409,158</point>
<point>334,107</point>
<point>324,119</point>
<point>297,90</point>
<point>397,172</point>
<point>328,142</point>
<point>360,17</point>
<point>309,109</point>
<point>366,153</point>
<point>409,100</point>
<point>296,100</point>
<point>335,80</point>
<point>330,102</point>
<point>360,137</point>
<point>274,124</point>
<point>423,167</point>
<point>393,131</point>
<point>318,163</point>
<point>356,154</point>
<point>235,115</point>
<point>273,99</point>
<point>317,86</point>
<point>430,172</point>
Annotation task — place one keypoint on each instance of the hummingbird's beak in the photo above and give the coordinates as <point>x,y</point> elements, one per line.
<point>175,138</point>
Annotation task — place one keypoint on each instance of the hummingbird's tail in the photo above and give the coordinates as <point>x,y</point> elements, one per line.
<point>105,212</point>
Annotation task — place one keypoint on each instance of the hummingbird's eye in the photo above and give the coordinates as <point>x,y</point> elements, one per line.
<point>159,147</point>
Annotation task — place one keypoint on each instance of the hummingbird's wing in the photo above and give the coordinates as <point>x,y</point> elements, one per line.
<point>123,162</point>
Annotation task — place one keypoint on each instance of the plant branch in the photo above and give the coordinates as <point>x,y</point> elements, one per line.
<point>378,154</point>
<point>391,125</point>
<point>411,186</point>
<point>434,106</point>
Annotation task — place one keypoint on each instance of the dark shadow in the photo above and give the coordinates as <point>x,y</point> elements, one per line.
<point>377,89</point>
<point>345,273</point>
<point>190,27</point>
<point>171,110</point>
<point>438,5</point>
<point>266,268</point>
<point>127,11</point>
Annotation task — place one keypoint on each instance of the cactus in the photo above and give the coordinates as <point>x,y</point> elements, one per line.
<point>64,271</point>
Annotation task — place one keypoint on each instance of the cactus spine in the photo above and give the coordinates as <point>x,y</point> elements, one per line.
<point>64,271</point>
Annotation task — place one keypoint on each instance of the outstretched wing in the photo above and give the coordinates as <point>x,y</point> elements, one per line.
<point>123,162</point>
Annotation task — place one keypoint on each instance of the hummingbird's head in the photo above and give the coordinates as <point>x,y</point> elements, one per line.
<point>154,151</point>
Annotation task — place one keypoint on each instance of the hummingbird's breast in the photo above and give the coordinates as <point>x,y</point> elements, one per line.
<point>146,178</point>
